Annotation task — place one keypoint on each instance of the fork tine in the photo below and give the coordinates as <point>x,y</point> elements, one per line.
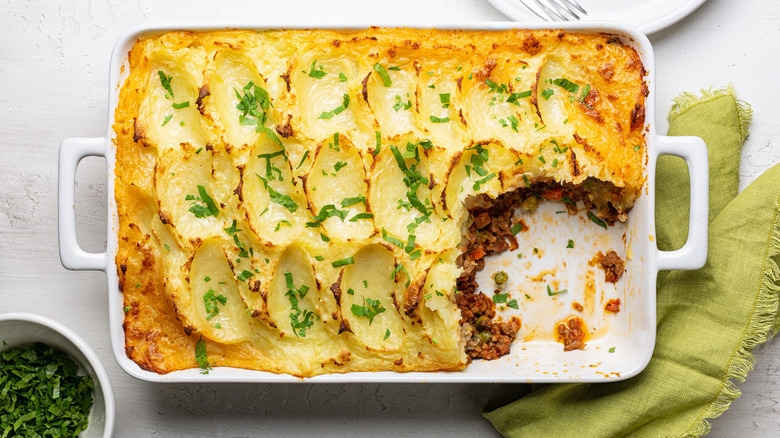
<point>574,4</point>
<point>563,9</point>
<point>552,14</point>
<point>523,2</point>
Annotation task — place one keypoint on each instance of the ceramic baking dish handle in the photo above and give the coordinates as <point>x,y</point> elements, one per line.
<point>693,254</point>
<point>72,151</point>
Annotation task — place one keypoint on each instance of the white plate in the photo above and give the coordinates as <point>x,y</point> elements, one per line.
<point>646,15</point>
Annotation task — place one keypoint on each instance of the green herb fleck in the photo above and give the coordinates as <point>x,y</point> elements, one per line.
<point>552,294</point>
<point>383,73</point>
<point>343,262</point>
<point>338,110</point>
<point>597,220</point>
<point>370,309</point>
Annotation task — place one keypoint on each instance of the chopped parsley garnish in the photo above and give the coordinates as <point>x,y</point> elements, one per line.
<point>208,209</point>
<point>41,393</point>
<point>351,291</point>
<point>324,237</point>
<point>496,88</point>
<point>369,309</point>
<point>212,301</point>
<point>387,333</point>
<point>541,158</point>
<point>546,93</point>
<point>570,244</point>
<point>280,223</point>
<point>245,275</point>
<point>319,258</point>
<point>552,294</point>
<point>445,100</point>
<point>597,220</point>
<point>279,198</point>
<point>342,77</point>
<point>165,81</point>
<point>392,240</point>
<point>327,211</point>
<point>478,183</point>
<point>378,143</point>
<point>300,320</point>
<point>514,98</point>
<point>338,110</point>
<point>167,247</point>
<point>254,104</point>
<point>400,104</point>
<point>513,121</point>
<point>360,216</point>
<point>305,154</point>
<point>400,268</point>
<point>200,356</point>
<point>127,309</point>
<point>435,119</point>
<point>500,298</point>
<point>394,68</point>
<point>636,148</point>
<point>525,179</point>
<point>181,105</point>
<point>567,85</point>
<point>338,166</point>
<point>343,262</point>
<point>383,73</point>
<point>347,202</point>
<point>270,169</point>
<point>612,349</point>
<point>513,304</point>
<point>207,279</point>
<point>167,119</point>
<point>413,179</point>
<point>314,72</point>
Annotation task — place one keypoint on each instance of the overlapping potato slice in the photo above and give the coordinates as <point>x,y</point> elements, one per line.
<point>324,100</point>
<point>368,297</point>
<point>241,101</point>
<point>437,306</point>
<point>294,306</point>
<point>403,203</point>
<point>438,106</point>
<point>499,107</point>
<point>185,195</point>
<point>392,97</point>
<point>217,307</point>
<point>336,183</point>
<point>274,202</point>
<point>171,119</point>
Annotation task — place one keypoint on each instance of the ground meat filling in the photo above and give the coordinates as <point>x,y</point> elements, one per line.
<point>613,305</point>
<point>613,266</point>
<point>571,334</point>
<point>490,232</point>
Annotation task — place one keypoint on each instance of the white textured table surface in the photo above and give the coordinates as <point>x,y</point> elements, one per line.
<point>54,84</point>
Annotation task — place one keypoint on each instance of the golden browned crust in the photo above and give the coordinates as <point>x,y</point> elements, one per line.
<point>264,261</point>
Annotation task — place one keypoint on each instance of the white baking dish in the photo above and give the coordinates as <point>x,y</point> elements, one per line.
<point>621,345</point>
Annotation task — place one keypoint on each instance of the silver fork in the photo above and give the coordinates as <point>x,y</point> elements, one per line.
<point>555,10</point>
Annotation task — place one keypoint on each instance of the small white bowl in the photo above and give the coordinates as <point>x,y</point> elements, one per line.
<point>19,329</point>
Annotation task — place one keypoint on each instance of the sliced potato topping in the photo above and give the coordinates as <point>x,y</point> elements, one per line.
<point>295,201</point>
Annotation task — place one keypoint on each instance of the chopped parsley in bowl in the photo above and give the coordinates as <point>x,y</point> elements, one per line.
<point>51,382</point>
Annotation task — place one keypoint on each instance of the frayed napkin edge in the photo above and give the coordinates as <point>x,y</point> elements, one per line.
<point>763,325</point>
<point>688,100</point>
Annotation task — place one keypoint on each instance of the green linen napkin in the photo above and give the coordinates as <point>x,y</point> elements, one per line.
<point>708,320</point>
